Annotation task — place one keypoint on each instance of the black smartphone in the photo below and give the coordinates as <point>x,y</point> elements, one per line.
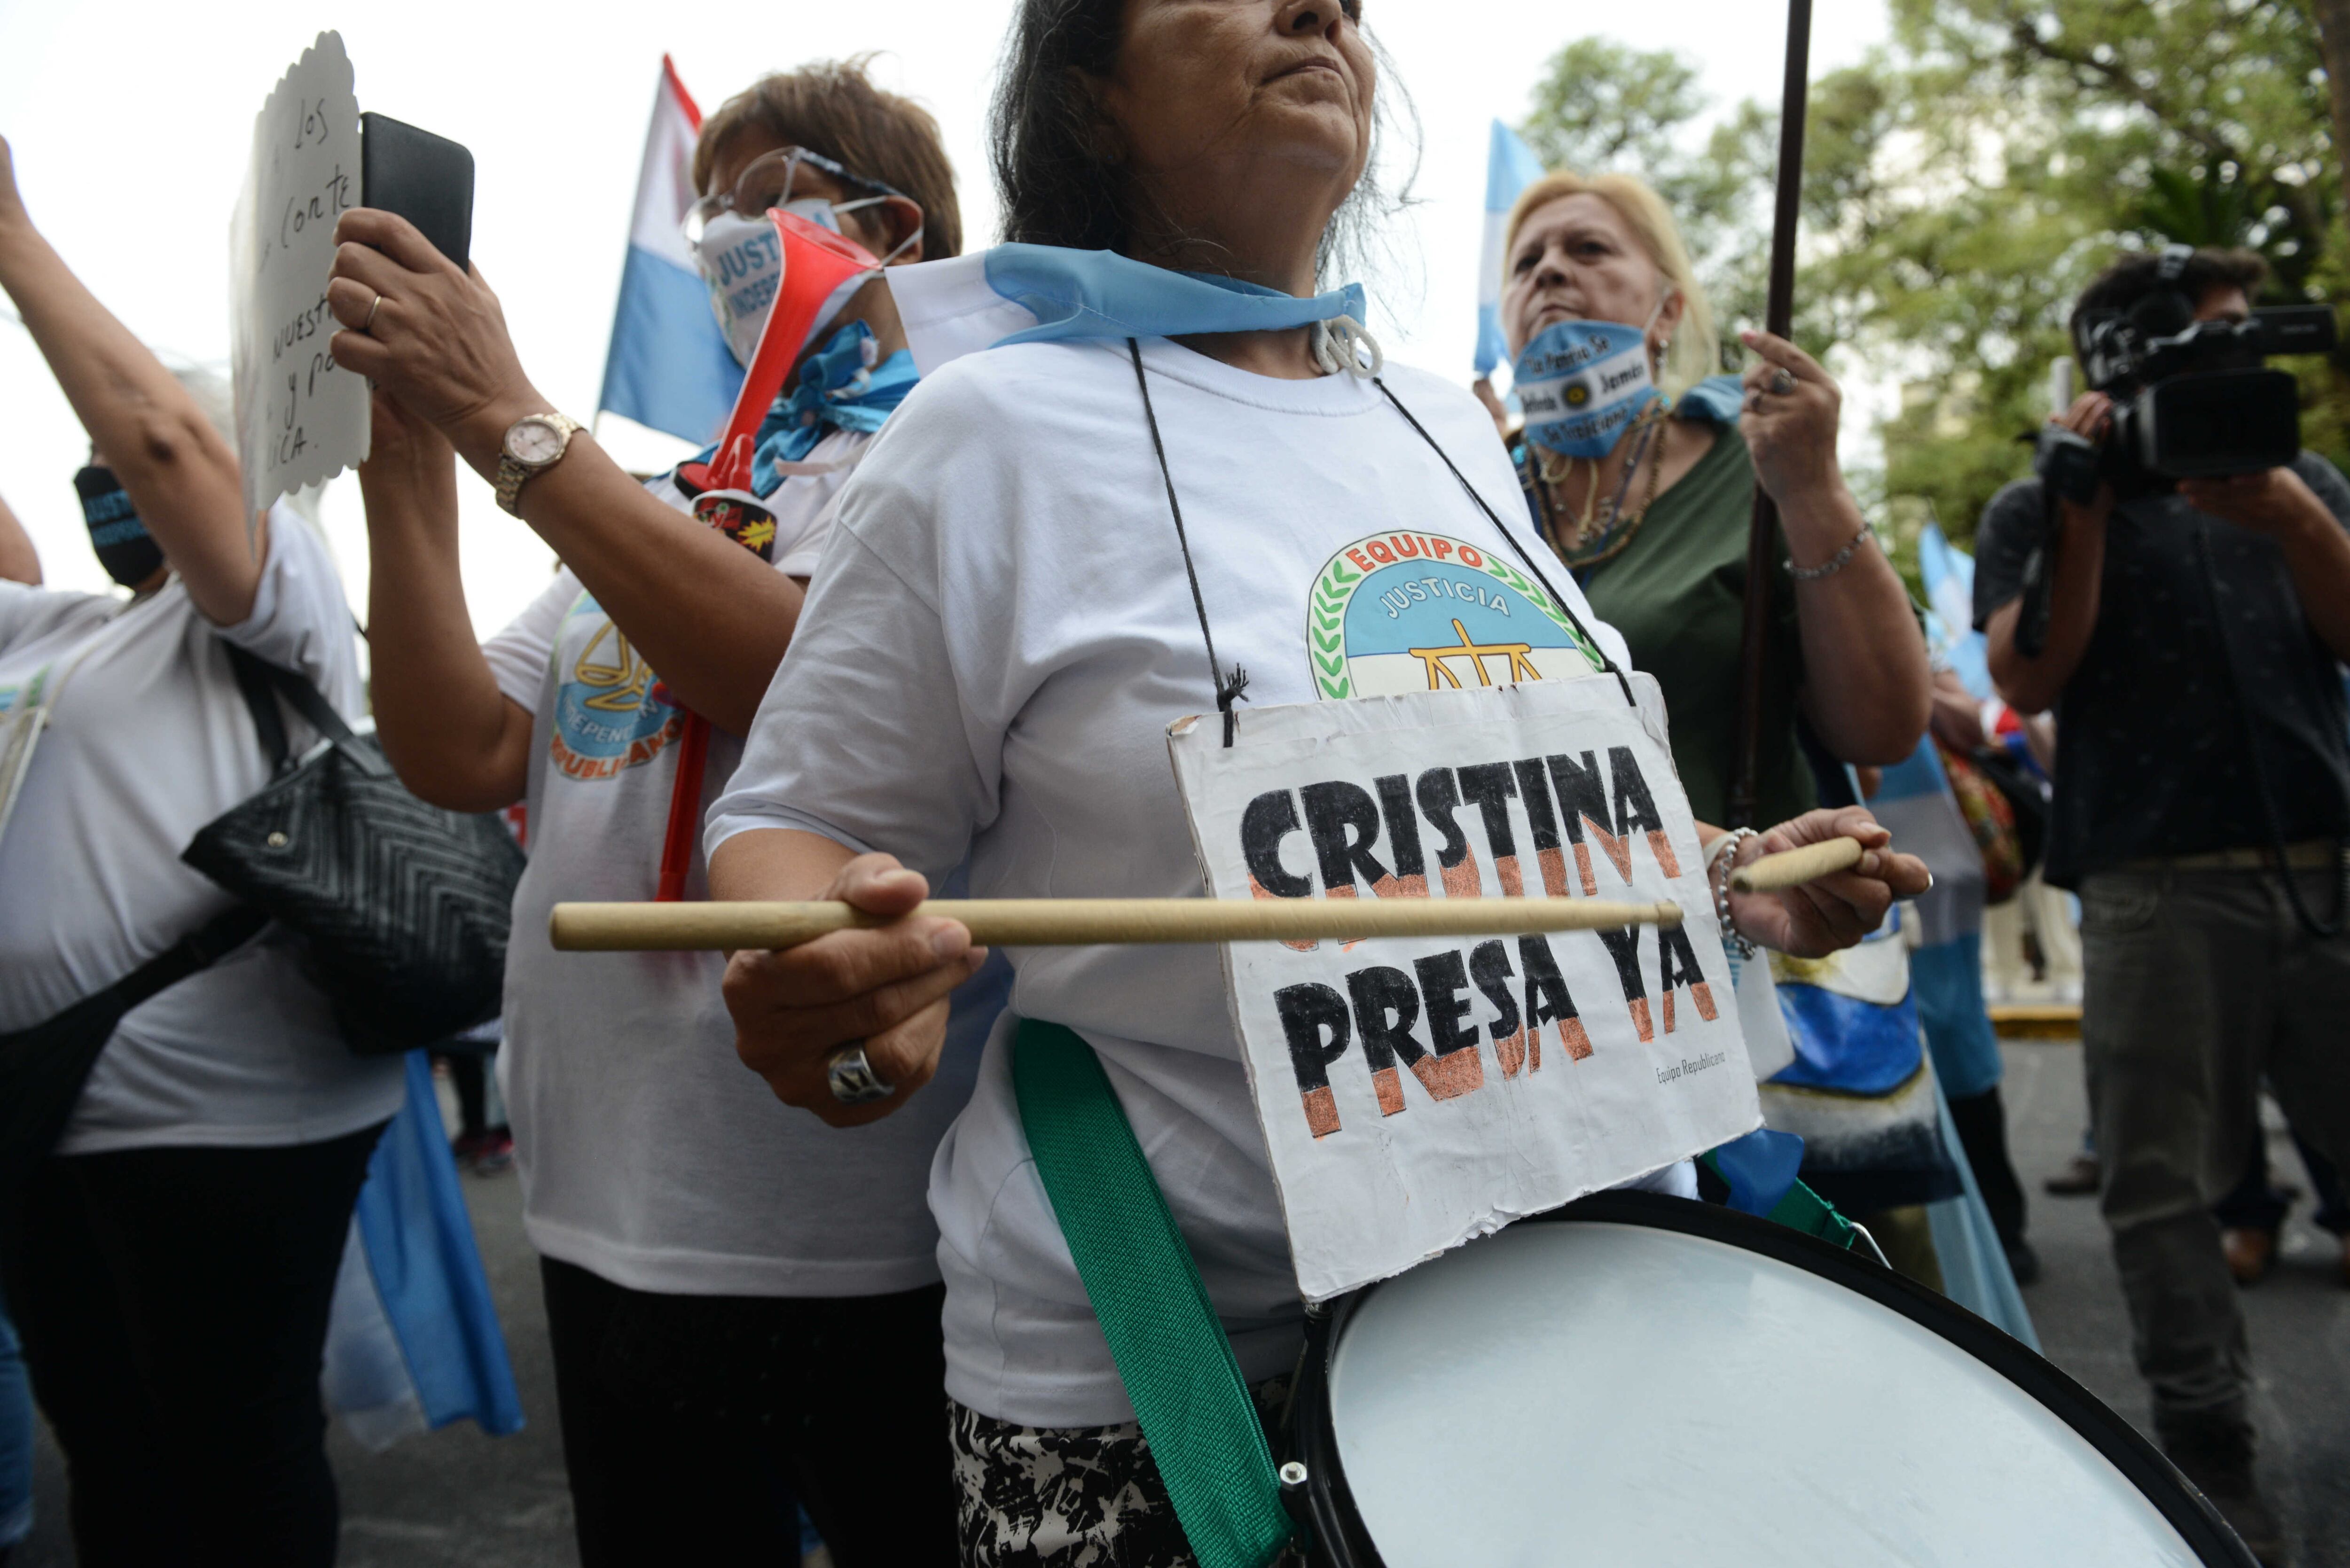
<point>426,179</point>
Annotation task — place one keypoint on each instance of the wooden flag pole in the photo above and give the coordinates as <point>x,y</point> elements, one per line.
<point>1086,922</point>
<point>1778,318</point>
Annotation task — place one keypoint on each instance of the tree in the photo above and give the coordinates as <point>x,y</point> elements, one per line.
<point>2332,19</point>
<point>1963,184</point>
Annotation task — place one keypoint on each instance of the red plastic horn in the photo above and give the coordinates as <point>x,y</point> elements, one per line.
<point>821,270</point>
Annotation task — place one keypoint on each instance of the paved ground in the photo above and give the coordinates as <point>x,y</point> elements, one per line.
<point>455,1497</point>
<point>2300,1316</point>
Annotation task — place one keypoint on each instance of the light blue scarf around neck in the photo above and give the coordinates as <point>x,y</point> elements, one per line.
<point>1101,294</point>
<point>1033,294</point>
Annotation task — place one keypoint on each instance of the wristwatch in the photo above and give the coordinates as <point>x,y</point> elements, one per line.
<point>533,443</point>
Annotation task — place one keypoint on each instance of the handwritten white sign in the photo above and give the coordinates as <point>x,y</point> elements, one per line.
<point>301,418</point>
<point>1417,1092</point>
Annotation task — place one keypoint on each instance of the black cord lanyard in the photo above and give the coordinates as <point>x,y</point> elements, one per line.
<point>2269,819</point>
<point>1232,687</point>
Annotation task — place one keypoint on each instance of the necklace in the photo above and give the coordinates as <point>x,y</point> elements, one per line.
<point>1604,530</point>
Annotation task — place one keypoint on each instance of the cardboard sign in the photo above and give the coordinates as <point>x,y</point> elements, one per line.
<point>300,420</point>
<point>1416,1093</point>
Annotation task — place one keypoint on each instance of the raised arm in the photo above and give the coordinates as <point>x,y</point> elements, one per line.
<point>2031,683</point>
<point>452,735</point>
<point>709,616</point>
<point>174,466</point>
<point>2279,503</point>
<point>19,562</point>
<point>1866,678</point>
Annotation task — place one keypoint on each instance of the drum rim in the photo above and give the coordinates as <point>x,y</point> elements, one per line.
<point>1341,1540</point>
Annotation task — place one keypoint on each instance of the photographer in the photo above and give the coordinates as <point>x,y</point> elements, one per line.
<point>2202,792</point>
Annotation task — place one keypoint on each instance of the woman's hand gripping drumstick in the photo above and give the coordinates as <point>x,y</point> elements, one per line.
<point>880,989</point>
<point>1820,882</point>
<point>881,986</point>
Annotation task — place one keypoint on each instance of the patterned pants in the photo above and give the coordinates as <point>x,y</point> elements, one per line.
<point>1070,1497</point>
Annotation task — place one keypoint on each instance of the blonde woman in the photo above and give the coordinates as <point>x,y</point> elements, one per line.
<point>1654,520</point>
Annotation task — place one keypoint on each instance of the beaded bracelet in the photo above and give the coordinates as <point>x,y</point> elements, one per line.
<point>1721,856</point>
<point>1835,564</point>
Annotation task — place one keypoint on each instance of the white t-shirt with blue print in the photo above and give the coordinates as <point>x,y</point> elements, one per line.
<point>650,1155</point>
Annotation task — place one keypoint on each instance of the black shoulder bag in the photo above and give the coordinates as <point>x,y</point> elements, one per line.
<point>404,907</point>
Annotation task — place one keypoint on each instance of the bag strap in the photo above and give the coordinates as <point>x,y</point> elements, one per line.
<point>260,701</point>
<point>1170,1350</point>
<point>199,949</point>
<point>260,683</point>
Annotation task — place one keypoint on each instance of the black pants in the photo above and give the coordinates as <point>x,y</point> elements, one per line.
<point>690,1424</point>
<point>1982,1121</point>
<point>173,1303</point>
<point>469,1074</point>
<point>2255,1204</point>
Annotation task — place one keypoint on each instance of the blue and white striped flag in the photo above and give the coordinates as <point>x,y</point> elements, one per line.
<point>668,365</point>
<point>1510,168</point>
<point>413,1341</point>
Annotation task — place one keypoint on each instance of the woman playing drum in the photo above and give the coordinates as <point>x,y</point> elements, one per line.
<point>1036,569</point>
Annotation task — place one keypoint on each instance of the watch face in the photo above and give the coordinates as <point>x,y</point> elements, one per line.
<point>534,441</point>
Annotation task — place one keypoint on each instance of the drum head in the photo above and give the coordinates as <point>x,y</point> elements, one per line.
<point>1651,1381</point>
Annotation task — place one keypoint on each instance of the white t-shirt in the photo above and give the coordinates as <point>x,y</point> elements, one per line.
<point>148,740</point>
<point>650,1155</point>
<point>1000,633</point>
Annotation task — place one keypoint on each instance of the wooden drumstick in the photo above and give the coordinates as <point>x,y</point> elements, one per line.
<point>1086,922</point>
<point>1792,867</point>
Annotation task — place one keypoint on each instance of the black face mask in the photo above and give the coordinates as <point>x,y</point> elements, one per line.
<point>125,548</point>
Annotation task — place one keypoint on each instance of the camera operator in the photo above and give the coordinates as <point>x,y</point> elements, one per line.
<point>2188,637</point>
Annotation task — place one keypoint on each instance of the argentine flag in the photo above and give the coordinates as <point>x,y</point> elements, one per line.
<point>668,367</point>
<point>1948,573</point>
<point>413,1340</point>
<point>1510,168</point>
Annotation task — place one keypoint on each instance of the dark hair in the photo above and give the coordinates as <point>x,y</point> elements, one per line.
<point>2136,276</point>
<point>1054,186</point>
<point>832,108</point>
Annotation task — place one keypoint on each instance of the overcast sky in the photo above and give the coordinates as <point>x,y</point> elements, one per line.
<point>131,121</point>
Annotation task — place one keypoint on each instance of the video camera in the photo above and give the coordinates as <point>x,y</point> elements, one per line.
<point>2192,398</point>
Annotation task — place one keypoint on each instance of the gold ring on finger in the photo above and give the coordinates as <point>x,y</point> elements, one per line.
<point>373,306</point>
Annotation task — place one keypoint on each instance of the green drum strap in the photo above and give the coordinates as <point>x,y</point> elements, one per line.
<point>1805,1211</point>
<point>1799,1209</point>
<point>1170,1350</point>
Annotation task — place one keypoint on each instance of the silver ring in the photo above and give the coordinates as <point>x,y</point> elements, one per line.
<point>1782,381</point>
<point>368,325</point>
<point>852,1079</point>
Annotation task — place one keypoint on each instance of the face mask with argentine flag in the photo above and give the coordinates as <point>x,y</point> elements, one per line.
<point>1582,383</point>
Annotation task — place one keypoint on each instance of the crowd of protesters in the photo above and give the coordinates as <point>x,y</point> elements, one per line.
<point>843,1288</point>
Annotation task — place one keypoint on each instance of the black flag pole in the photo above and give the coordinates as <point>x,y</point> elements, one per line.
<point>1778,318</point>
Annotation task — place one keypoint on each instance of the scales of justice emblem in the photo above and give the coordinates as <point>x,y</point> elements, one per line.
<point>1401,612</point>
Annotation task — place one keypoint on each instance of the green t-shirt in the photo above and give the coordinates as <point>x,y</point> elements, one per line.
<point>1678,595</point>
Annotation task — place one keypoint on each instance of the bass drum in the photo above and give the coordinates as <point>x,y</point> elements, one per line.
<point>1637,1379</point>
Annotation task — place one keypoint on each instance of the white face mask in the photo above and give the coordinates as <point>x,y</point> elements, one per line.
<point>742,261</point>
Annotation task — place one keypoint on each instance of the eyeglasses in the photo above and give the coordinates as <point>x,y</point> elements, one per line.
<point>766,181</point>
